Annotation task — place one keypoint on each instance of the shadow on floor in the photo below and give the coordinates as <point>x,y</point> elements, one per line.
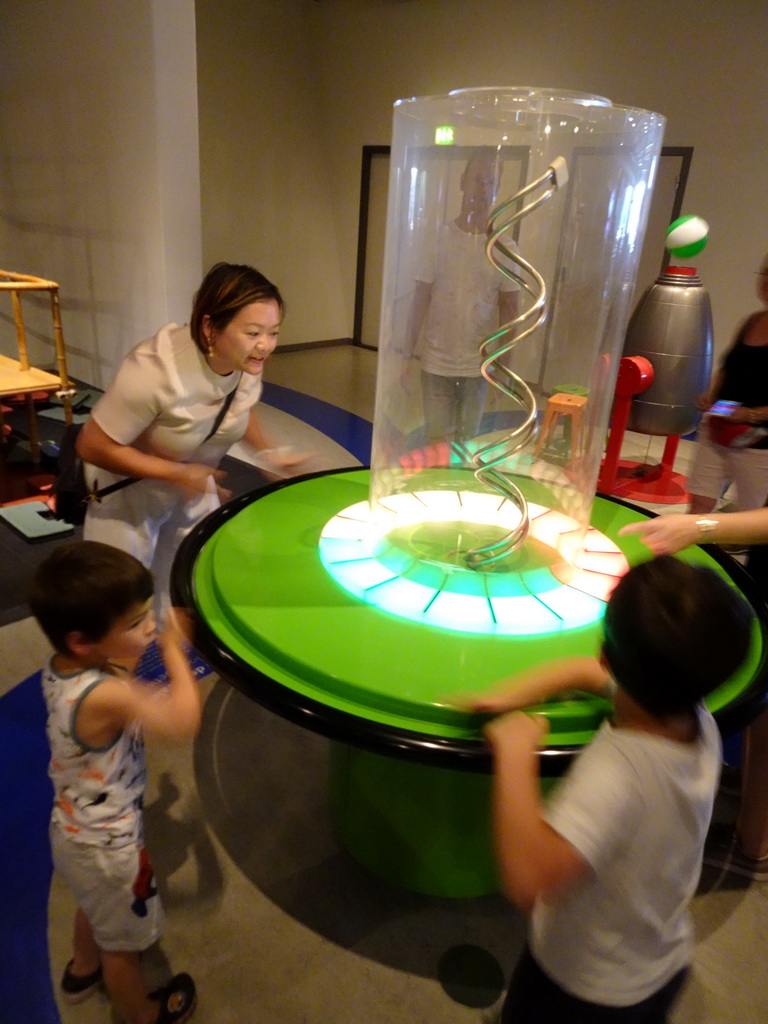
<point>263,786</point>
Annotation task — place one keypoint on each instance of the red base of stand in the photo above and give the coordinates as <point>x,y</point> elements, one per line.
<point>640,482</point>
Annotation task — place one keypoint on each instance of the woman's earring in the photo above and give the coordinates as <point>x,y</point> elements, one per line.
<point>209,340</point>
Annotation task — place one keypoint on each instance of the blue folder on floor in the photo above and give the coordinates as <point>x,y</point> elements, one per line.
<point>34,521</point>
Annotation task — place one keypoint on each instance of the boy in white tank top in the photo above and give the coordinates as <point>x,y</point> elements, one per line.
<point>94,603</point>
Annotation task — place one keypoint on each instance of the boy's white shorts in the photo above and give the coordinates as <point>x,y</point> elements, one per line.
<point>116,890</point>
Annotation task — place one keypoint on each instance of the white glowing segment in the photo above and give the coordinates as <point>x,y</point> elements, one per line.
<point>569,545</point>
<point>609,563</point>
<point>486,508</point>
<point>354,521</point>
<point>402,597</point>
<point>534,510</point>
<point>358,577</point>
<point>399,510</point>
<point>521,616</point>
<point>596,541</point>
<point>573,606</point>
<point>554,527</point>
<point>347,549</point>
<point>460,611</point>
<point>354,547</point>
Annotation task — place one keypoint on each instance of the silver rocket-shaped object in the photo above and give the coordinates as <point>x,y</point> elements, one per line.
<point>671,326</point>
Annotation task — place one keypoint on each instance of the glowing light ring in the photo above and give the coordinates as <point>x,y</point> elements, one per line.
<point>497,345</point>
<point>356,551</point>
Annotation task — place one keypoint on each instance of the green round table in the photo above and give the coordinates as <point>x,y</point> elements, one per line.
<point>410,775</point>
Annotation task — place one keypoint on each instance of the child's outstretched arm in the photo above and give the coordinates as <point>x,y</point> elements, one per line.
<point>539,684</point>
<point>534,861</point>
<point>171,711</point>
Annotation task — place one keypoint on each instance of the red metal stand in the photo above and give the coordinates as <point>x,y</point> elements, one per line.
<point>637,480</point>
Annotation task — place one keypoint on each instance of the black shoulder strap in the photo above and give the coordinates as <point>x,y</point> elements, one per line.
<point>104,491</point>
<point>223,410</point>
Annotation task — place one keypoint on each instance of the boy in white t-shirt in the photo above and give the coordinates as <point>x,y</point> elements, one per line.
<point>607,870</point>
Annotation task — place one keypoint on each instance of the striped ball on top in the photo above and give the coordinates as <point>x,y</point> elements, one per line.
<point>687,236</point>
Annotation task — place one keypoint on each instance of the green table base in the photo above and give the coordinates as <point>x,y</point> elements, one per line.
<point>422,828</point>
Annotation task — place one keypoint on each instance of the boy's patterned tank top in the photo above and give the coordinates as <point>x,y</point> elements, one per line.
<point>98,793</point>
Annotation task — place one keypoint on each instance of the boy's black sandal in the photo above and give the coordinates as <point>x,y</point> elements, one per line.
<point>177,1000</point>
<point>75,988</point>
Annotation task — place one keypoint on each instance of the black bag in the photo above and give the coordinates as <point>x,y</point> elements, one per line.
<point>72,492</point>
<point>70,489</point>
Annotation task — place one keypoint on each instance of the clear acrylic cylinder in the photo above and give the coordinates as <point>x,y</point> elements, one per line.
<point>488,438</point>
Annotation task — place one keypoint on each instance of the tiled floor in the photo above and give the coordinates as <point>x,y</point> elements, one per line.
<point>274,919</point>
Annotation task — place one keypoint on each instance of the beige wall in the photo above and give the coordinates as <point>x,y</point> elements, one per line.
<point>319,77</point>
<point>701,63</point>
<point>99,185</point>
<point>268,184</point>
<point>99,120</point>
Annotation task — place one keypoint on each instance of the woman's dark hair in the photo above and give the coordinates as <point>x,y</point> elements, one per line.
<point>86,586</point>
<point>673,633</point>
<point>226,289</point>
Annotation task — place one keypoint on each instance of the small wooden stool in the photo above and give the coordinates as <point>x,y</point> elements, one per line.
<point>559,405</point>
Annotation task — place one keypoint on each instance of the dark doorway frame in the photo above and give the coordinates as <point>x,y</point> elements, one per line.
<point>684,153</point>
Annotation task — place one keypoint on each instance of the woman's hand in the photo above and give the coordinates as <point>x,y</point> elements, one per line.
<point>741,414</point>
<point>193,478</point>
<point>665,534</point>
<point>282,461</point>
<point>275,460</point>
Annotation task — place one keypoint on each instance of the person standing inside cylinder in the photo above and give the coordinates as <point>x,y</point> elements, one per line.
<point>460,298</point>
<point>733,443</point>
<point>155,423</point>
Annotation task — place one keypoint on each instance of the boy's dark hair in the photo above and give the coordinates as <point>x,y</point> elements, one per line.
<point>673,633</point>
<point>226,289</point>
<point>85,586</point>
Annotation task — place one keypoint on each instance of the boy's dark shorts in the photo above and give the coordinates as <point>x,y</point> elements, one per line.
<point>533,998</point>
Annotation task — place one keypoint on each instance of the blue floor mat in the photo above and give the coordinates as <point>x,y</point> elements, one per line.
<point>352,432</point>
<point>26,992</point>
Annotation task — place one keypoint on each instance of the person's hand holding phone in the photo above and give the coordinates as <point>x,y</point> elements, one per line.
<point>723,408</point>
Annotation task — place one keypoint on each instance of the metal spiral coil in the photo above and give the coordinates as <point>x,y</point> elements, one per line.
<point>497,345</point>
